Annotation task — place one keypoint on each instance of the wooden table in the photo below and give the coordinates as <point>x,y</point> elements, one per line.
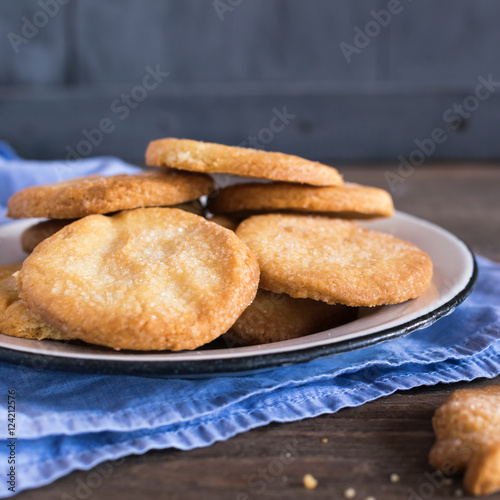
<point>364,445</point>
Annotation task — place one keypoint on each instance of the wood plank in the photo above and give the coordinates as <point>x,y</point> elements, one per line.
<point>461,198</point>
<point>343,123</point>
<point>445,41</point>
<point>261,40</point>
<point>34,43</point>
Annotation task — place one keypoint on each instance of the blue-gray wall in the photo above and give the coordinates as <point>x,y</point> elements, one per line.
<point>67,67</point>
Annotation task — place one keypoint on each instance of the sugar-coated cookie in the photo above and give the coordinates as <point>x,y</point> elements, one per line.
<point>100,195</point>
<point>197,156</point>
<point>334,260</point>
<point>15,319</point>
<point>347,201</point>
<point>145,279</point>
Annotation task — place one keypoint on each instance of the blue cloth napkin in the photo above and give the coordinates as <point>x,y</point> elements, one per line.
<point>67,421</point>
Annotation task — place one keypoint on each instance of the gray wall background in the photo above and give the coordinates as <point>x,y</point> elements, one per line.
<point>67,65</point>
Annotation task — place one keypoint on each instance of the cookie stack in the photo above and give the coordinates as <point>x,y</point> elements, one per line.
<point>64,202</point>
<point>113,273</point>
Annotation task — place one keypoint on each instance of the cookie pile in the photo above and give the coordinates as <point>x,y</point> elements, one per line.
<point>114,266</point>
<point>64,202</point>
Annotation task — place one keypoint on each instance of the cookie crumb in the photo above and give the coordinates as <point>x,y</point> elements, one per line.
<point>394,478</point>
<point>458,493</point>
<point>310,482</point>
<point>324,440</point>
<point>448,481</point>
<point>350,493</point>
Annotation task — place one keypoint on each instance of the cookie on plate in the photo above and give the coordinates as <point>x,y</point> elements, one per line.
<point>15,319</point>
<point>197,156</point>
<point>34,235</point>
<point>145,279</point>
<point>273,317</point>
<point>100,195</point>
<point>334,260</point>
<point>467,428</point>
<point>347,201</point>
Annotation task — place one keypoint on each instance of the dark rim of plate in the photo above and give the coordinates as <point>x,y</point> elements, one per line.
<point>235,366</point>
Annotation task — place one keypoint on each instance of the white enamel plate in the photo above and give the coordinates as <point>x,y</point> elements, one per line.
<point>454,276</point>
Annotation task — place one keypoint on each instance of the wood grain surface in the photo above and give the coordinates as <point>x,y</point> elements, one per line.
<point>364,445</point>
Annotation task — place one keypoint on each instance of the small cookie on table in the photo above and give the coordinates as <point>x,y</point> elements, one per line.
<point>467,428</point>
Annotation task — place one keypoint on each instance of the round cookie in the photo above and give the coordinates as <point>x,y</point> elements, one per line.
<point>145,279</point>
<point>197,156</point>
<point>100,195</point>
<point>273,317</point>
<point>35,234</point>
<point>347,201</point>
<point>334,260</point>
<point>15,319</point>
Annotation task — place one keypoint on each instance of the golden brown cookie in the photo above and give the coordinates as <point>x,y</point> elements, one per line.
<point>100,195</point>
<point>196,156</point>
<point>145,279</point>
<point>347,201</point>
<point>273,317</point>
<point>15,319</point>
<point>35,234</point>
<point>334,260</point>
<point>467,428</point>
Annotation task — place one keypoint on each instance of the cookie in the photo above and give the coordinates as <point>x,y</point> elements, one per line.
<point>334,260</point>
<point>273,317</point>
<point>347,201</point>
<point>100,195</point>
<point>15,319</point>
<point>196,156</point>
<point>35,234</point>
<point>467,428</point>
<point>145,279</point>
